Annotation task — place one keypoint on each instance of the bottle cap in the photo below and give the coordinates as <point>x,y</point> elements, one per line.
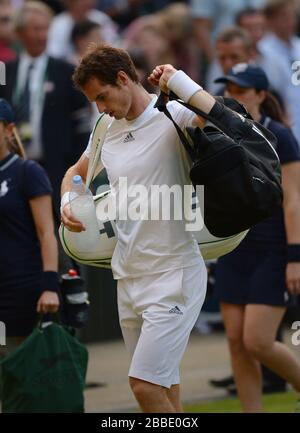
<point>77,179</point>
<point>72,272</point>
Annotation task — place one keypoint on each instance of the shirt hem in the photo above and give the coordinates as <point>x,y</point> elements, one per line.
<point>197,261</point>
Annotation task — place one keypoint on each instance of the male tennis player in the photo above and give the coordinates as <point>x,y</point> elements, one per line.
<point>161,274</point>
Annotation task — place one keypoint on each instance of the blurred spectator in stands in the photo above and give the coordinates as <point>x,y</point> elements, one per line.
<point>59,44</point>
<point>55,5</point>
<point>151,6</point>
<point>254,22</point>
<point>176,26</point>
<point>17,3</point>
<point>6,31</point>
<point>82,35</point>
<point>282,44</point>
<point>298,16</point>
<point>121,11</point>
<point>142,68</point>
<point>233,45</point>
<point>145,33</point>
<point>53,118</point>
<point>212,16</point>
<point>165,37</point>
<point>125,11</point>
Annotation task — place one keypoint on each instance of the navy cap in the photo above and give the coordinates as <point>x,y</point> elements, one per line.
<point>246,75</point>
<point>6,112</point>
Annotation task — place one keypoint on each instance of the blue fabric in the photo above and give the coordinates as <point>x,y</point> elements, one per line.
<point>21,267</point>
<point>6,112</point>
<point>255,276</point>
<point>271,232</point>
<point>254,273</point>
<point>246,75</point>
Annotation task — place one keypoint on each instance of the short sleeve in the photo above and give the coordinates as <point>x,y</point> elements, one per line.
<point>182,115</point>
<point>203,8</point>
<point>287,147</point>
<point>36,181</point>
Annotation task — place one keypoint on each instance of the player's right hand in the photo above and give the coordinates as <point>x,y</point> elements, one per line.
<point>160,76</point>
<point>69,221</point>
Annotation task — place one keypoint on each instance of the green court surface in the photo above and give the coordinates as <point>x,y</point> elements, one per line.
<point>273,403</point>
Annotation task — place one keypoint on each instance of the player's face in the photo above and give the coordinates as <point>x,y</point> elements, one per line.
<point>112,100</point>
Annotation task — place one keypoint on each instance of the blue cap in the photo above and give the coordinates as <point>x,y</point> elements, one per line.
<point>246,75</point>
<point>77,179</point>
<point>6,112</point>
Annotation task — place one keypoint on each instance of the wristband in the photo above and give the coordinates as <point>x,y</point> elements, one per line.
<point>293,253</point>
<point>183,86</point>
<point>51,281</point>
<point>64,200</point>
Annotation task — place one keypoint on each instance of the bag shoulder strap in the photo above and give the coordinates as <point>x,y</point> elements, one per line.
<point>163,99</point>
<point>161,105</point>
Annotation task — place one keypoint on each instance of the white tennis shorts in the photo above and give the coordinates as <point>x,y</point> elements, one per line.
<point>157,313</point>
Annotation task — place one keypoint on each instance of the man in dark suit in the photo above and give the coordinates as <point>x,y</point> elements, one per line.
<point>52,116</point>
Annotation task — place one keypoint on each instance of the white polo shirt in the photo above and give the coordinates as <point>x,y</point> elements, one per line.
<point>147,151</point>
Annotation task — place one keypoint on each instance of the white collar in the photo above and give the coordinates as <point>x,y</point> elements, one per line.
<point>8,163</point>
<point>27,59</point>
<point>139,120</point>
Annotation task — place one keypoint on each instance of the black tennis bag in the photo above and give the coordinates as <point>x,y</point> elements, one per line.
<point>235,159</point>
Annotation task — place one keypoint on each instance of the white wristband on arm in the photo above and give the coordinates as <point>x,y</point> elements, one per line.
<point>183,86</point>
<point>64,200</point>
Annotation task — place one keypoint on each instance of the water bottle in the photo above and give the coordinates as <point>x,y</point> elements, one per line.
<point>75,300</point>
<point>83,208</point>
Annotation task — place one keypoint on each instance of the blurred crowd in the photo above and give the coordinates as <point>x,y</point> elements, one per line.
<point>42,41</point>
<point>205,38</point>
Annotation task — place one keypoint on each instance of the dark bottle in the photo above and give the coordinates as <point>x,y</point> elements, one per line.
<point>75,300</point>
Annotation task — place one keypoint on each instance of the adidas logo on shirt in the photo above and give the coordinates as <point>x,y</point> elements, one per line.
<point>129,137</point>
<point>175,310</point>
